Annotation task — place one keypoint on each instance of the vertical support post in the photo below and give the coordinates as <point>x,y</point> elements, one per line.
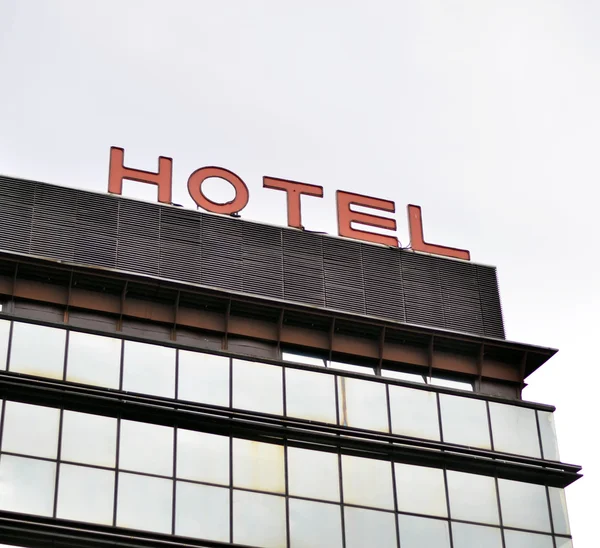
<point>123,297</point>
<point>66,312</point>
<point>226,334</point>
<point>175,317</point>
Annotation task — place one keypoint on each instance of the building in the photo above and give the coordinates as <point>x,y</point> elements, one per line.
<point>174,378</point>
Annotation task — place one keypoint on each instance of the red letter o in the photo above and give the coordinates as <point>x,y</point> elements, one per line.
<point>195,189</point>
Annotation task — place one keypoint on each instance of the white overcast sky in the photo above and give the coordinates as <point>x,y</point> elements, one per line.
<point>485,113</point>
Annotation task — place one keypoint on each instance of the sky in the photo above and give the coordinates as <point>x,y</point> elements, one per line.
<point>486,114</point>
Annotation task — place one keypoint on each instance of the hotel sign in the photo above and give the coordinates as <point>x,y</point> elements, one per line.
<point>346,215</point>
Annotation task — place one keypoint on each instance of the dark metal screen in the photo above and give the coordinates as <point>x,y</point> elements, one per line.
<point>231,254</point>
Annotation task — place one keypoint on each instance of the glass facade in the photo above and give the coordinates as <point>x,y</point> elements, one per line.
<point>378,404</point>
<point>198,482</point>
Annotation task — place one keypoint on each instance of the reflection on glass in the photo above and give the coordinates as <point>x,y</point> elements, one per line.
<point>464,421</point>
<point>514,430</point>
<point>524,505</point>
<point>149,369</point>
<point>310,395</point>
<point>203,378</point>
<point>146,448</point>
<point>369,528</point>
<point>258,466</point>
<point>258,387</point>
<point>259,520</point>
<point>558,506</point>
<point>414,412</point>
<point>30,429</point>
<point>517,539</point>
<point>469,536</point>
<point>313,474</point>
<point>302,358</point>
<point>202,457</point>
<point>27,485</point>
<point>144,503</point>
<point>202,511</point>
<point>420,490</point>
<point>419,532</point>
<point>37,350</point>
<point>91,439</point>
<point>473,497</point>
<point>362,404</point>
<point>548,435</point>
<point>367,482</point>
<point>315,524</point>
<point>564,542</point>
<point>4,333</point>
<point>86,494</point>
<point>93,359</point>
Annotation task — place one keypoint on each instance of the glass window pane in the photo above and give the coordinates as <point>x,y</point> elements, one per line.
<point>548,434</point>
<point>514,430</point>
<point>144,503</point>
<point>4,333</point>
<point>259,520</point>
<point>367,482</point>
<point>414,412</point>
<point>30,429</point>
<point>558,505</point>
<point>464,421</point>
<point>202,511</point>
<point>369,528</point>
<point>146,448</point>
<point>149,369</point>
<point>90,439</point>
<point>420,490</point>
<point>27,485</point>
<point>524,505</point>
<point>86,494</point>
<point>310,395</point>
<point>203,378</point>
<point>93,359</point>
<point>564,542</point>
<point>517,539</point>
<point>37,350</point>
<point>202,457</point>
<point>475,536</point>
<point>418,532</point>
<point>315,524</point>
<point>313,474</point>
<point>258,466</point>
<point>258,387</point>
<point>362,404</point>
<point>473,497</point>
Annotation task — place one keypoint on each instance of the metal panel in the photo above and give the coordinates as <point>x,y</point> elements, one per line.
<point>262,257</point>
<point>342,268</point>
<point>222,252</point>
<point>489,296</point>
<point>384,287</point>
<point>180,245</point>
<point>138,236</point>
<point>230,254</point>
<point>423,290</point>
<point>303,279</point>
<point>16,199</point>
<point>97,229</point>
